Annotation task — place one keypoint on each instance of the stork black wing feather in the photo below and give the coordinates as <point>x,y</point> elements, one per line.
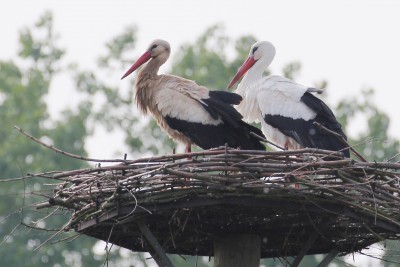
<point>305,132</point>
<point>322,110</point>
<point>219,104</point>
<point>231,130</point>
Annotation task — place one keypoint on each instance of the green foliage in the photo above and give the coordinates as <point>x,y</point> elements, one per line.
<point>23,89</point>
<point>42,51</point>
<point>291,70</point>
<point>118,47</point>
<point>391,255</point>
<point>206,61</point>
<point>374,142</point>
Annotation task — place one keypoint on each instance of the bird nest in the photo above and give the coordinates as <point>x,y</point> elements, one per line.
<point>291,199</point>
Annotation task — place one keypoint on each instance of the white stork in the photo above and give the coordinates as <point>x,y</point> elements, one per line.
<point>187,112</point>
<point>287,110</point>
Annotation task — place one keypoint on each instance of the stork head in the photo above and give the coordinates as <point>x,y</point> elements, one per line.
<point>260,57</point>
<point>158,50</point>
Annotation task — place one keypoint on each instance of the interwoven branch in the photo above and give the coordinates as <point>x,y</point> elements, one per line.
<point>371,187</point>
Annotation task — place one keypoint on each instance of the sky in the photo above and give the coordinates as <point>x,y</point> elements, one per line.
<point>353,44</point>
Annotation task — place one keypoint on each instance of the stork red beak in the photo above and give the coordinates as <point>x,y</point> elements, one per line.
<point>143,59</point>
<point>242,70</point>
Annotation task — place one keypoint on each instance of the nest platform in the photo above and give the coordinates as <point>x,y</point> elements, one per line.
<point>296,201</point>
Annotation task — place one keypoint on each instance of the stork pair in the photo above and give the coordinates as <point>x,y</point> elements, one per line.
<point>192,114</point>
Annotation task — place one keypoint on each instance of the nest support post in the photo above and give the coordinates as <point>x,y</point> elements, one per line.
<point>237,250</point>
<point>306,247</point>
<point>156,252</point>
<point>331,255</point>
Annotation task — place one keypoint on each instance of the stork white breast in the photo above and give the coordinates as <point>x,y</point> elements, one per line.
<point>249,107</point>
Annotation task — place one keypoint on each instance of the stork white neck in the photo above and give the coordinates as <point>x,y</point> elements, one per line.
<point>263,53</point>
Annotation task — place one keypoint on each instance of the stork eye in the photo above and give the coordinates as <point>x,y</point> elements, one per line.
<point>153,47</point>
<point>255,49</point>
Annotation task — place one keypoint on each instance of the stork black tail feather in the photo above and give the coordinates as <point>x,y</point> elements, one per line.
<point>255,142</point>
<point>209,136</point>
<point>220,102</point>
<point>226,97</point>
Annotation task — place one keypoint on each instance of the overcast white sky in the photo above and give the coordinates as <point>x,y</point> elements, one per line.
<point>353,44</point>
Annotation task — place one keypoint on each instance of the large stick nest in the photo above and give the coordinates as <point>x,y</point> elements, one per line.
<point>188,200</point>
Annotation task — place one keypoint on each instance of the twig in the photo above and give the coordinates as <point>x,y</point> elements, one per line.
<point>59,151</point>
<point>341,139</point>
<point>9,234</point>
<point>52,236</point>
<point>15,179</point>
<point>67,239</point>
<point>393,157</point>
<point>266,141</point>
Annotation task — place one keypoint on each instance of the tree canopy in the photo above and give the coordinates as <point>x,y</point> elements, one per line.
<point>25,84</point>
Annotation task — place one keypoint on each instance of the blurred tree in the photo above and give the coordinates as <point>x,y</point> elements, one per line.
<point>391,255</point>
<point>373,142</point>
<point>206,61</point>
<point>24,86</point>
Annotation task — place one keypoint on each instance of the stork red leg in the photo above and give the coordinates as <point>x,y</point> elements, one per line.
<point>188,149</point>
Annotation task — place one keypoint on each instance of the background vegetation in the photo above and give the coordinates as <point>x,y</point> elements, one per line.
<point>104,103</point>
